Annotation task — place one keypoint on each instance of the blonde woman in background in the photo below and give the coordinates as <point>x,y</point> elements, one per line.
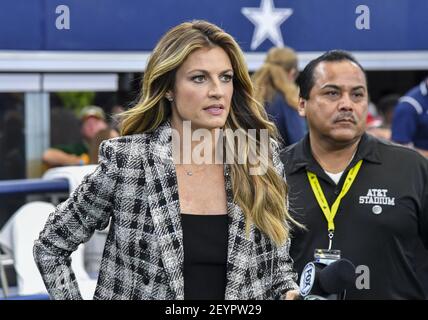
<point>180,230</point>
<point>276,89</point>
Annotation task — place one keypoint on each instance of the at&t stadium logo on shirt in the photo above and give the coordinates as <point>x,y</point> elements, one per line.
<point>377,196</point>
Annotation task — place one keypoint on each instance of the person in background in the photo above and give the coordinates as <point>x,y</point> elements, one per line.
<point>116,115</point>
<point>92,121</point>
<point>94,146</point>
<point>275,88</point>
<point>410,120</point>
<point>381,126</point>
<point>12,160</point>
<point>12,146</point>
<point>353,192</point>
<point>169,238</point>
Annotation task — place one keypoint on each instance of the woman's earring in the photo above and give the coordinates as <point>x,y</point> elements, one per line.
<point>170,99</point>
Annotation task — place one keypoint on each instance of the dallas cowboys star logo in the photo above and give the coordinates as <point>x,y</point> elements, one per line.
<point>267,20</point>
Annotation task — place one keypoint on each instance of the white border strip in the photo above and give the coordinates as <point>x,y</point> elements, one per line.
<point>48,82</point>
<point>49,61</point>
<point>80,82</point>
<point>65,61</point>
<point>388,61</point>
<point>20,82</point>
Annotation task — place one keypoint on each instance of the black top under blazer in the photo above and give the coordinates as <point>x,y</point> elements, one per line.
<point>134,188</point>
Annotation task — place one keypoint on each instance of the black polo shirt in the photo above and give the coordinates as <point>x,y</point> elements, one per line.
<point>380,222</point>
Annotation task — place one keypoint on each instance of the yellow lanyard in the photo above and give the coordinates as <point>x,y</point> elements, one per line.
<point>322,202</point>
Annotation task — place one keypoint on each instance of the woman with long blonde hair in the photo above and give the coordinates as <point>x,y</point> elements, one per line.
<point>276,89</point>
<point>182,227</point>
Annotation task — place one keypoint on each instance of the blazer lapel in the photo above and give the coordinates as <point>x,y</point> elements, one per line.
<point>161,181</point>
<point>240,247</point>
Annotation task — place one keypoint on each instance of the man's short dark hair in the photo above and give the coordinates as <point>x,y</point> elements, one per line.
<point>306,79</point>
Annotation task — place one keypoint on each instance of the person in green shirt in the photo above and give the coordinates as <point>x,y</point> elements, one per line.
<point>93,120</point>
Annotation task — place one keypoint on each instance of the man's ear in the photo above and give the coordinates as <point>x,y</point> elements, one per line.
<point>302,107</point>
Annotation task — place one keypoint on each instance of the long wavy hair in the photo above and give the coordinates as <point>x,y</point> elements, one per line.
<point>272,77</point>
<point>262,198</point>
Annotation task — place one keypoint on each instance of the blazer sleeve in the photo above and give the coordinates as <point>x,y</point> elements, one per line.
<point>285,277</point>
<point>73,222</point>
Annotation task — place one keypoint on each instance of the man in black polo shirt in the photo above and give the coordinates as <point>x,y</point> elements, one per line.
<point>382,209</point>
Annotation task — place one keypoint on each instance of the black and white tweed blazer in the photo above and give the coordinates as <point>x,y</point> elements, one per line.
<point>135,186</point>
